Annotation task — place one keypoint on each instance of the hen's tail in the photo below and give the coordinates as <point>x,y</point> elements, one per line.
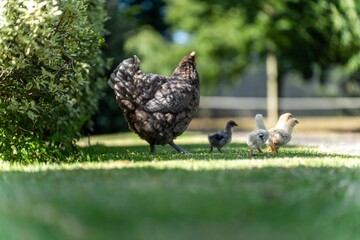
<point>124,72</point>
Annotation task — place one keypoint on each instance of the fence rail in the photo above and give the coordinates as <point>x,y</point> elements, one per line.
<point>251,103</point>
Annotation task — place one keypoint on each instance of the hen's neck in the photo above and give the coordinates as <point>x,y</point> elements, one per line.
<point>187,71</point>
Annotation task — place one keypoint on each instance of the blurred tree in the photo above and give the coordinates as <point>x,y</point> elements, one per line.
<point>304,35</point>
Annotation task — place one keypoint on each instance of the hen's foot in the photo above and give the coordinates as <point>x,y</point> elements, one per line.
<point>177,148</point>
<point>152,149</point>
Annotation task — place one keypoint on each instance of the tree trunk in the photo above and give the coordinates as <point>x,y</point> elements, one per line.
<point>272,89</point>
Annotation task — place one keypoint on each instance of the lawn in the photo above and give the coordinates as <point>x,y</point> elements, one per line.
<point>119,191</point>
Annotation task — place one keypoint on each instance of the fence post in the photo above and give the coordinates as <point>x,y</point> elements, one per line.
<point>272,89</point>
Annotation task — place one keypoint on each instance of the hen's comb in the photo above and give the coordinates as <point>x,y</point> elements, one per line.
<point>192,53</point>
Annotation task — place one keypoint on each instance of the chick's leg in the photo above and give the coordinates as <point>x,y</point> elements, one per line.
<point>269,148</point>
<point>211,148</point>
<point>177,148</point>
<point>275,148</point>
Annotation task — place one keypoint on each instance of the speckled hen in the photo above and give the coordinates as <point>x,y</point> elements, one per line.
<point>158,108</point>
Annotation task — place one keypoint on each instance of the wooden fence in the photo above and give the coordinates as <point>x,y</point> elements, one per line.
<point>285,104</point>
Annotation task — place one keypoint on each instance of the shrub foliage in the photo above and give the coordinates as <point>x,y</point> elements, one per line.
<point>50,75</point>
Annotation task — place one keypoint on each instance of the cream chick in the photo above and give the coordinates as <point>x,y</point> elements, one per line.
<point>282,136</point>
<point>283,120</point>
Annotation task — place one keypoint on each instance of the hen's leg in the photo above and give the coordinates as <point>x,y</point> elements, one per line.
<point>218,148</point>
<point>260,151</point>
<point>177,148</point>
<point>152,149</point>
<point>211,148</point>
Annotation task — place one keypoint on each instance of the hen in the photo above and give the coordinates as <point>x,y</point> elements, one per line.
<point>258,137</point>
<point>157,108</point>
<point>280,136</point>
<point>220,138</point>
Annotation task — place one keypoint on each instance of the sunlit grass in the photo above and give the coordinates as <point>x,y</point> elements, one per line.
<point>120,191</point>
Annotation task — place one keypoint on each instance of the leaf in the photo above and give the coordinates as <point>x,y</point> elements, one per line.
<point>32,115</point>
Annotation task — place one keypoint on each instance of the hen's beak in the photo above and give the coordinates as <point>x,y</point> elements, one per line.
<point>192,54</point>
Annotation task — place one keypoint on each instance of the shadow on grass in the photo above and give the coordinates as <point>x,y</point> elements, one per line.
<point>232,151</point>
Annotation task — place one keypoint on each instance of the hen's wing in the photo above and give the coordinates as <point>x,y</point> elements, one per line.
<point>132,86</point>
<point>173,96</point>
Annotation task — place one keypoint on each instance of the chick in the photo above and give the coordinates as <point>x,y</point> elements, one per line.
<point>281,124</point>
<point>220,138</point>
<point>283,120</point>
<point>258,137</point>
<point>280,136</point>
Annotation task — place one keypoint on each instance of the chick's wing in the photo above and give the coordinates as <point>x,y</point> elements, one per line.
<point>220,135</point>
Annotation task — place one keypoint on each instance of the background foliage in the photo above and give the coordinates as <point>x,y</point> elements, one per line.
<point>306,36</point>
<point>50,75</point>
<point>312,38</point>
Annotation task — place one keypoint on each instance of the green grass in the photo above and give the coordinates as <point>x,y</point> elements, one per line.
<point>121,192</point>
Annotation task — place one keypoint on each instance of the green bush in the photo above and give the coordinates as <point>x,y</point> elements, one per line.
<point>51,75</point>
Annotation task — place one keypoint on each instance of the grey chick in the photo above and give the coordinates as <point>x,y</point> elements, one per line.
<point>158,108</point>
<point>280,136</point>
<point>257,137</point>
<point>221,138</point>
